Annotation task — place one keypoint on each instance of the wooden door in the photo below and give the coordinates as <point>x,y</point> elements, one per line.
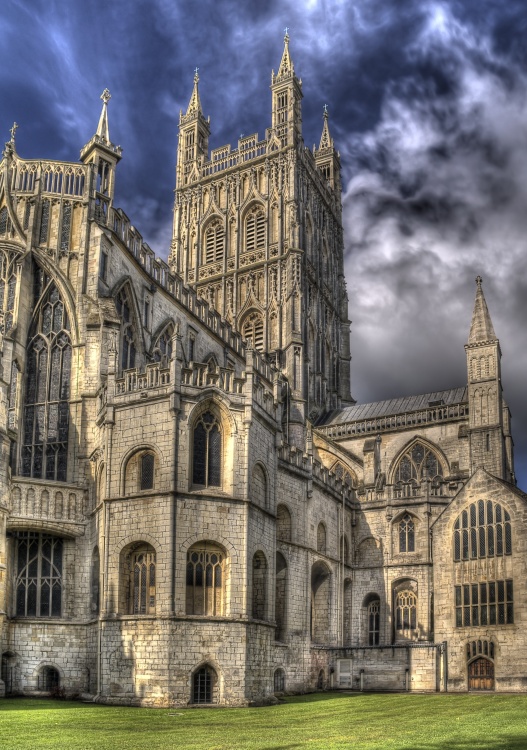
<point>481,674</point>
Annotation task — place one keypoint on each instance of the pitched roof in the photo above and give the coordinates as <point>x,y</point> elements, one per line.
<point>393,406</point>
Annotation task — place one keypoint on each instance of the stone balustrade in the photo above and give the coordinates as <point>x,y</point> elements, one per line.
<point>33,500</point>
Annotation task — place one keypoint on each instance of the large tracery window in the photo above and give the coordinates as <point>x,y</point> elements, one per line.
<point>482,530</point>
<point>214,242</point>
<point>407,534</point>
<point>46,418</point>
<point>128,346</point>
<point>162,350</point>
<point>39,575</point>
<point>7,288</point>
<point>255,229</point>
<point>253,332</point>
<point>207,451</point>
<point>487,603</point>
<point>205,580</point>
<point>418,463</point>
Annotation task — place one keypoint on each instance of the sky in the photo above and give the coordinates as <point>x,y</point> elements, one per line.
<point>428,107</point>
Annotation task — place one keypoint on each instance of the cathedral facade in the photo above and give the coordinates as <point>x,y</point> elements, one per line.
<point>193,509</point>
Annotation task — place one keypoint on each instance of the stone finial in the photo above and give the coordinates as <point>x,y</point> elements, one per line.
<point>481,328</point>
<point>13,132</point>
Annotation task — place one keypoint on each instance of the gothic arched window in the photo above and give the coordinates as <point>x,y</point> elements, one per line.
<point>214,242</point>
<point>418,463</point>
<point>7,288</point>
<point>4,220</point>
<point>482,530</point>
<point>39,575</point>
<point>259,599</point>
<point>46,417</point>
<point>321,538</point>
<point>206,464</point>
<point>405,612</point>
<point>283,524</point>
<point>255,233</point>
<point>407,534</point>
<point>142,581</point>
<point>205,580</point>
<point>147,471</point>
<point>374,622</point>
<point>128,347</point>
<point>162,349</point>
<point>252,331</point>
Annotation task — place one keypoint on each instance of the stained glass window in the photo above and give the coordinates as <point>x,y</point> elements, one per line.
<point>486,603</point>
<point>65,231</point>
<point>483,530</point>
<point>39,575</point>
<point>44,222</point>
<point>48,370</point>
<point>207,451</point>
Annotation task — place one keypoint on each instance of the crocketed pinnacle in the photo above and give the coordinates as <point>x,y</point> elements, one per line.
<point>286,65</point>
<point>326,141</point>
<point>481,328</point>
<point>102,128</point>
<point>194,105</point>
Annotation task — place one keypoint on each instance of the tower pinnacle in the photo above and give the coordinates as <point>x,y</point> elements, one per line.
<point>326,141</point>
<point>102,128</point>
<point>286,68</point>
<point>481,328</point>
<point>194,105</point>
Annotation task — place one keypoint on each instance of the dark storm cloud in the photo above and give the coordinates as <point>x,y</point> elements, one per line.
<point>427,104</point>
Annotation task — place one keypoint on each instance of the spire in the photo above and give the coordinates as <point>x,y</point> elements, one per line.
<point>326,141</point>
<point>286,68</point>
<point>102,128</point>
<point>194,105</point>
<point>481,328</point>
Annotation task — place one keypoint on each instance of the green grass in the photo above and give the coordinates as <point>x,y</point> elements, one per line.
<point>319,722</point>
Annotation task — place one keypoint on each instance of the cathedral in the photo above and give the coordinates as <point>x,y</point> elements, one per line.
<point>193,508</point>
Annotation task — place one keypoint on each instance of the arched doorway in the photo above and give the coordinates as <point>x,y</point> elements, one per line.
<point>481,674</point>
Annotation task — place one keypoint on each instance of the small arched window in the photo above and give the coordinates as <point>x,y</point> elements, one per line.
<point>214,242</point>
<point>147,471</point>
<point>405,612</point>
<point>255,229</point>
<point>259,608</point>
<point>205,580</point>
<point>142,581</point>
<point>207,455</point>
<point>128,346</point>
<point>48,679</point>
<point>407,534</point>
<point>374,622</point>
<point>205,685</point>
<point>95,585</point>
<point>279,681</point>
<point>321,538</point>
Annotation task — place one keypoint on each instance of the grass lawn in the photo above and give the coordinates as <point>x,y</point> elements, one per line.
<point>322,721</point>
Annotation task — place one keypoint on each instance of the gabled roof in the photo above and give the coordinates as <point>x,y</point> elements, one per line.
<point>393,406</point>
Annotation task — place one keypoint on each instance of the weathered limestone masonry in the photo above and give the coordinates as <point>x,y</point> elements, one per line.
<point>192,507</point>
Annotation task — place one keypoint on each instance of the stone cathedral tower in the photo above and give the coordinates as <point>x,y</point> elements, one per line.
<point>258,234</point>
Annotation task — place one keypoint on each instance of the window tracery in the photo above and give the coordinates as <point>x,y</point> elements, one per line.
<point>205,580</point>
<point>128,346</point>
<point>142,580</point>
<point>39,575</point>
<point>484,603</point>
<point>207,451</point>
<point>48,369</point>
<point>162,350</point>
<point>374,621</point>
<point>7,287</point>
<point>405,611</point>
<point>418,463</point>
<point>407,534</point>
<point>482,530</point>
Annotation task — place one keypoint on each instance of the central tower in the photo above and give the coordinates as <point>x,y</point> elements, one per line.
<point>258,233</point>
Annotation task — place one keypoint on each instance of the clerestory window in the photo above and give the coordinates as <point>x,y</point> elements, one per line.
<point>407,534</point>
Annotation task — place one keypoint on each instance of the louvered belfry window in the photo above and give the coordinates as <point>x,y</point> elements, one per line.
<point>47,393</point>
<point>253,332</point>
<point>255,230</point>
<point>214,242</point>
<point>207,451</point>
